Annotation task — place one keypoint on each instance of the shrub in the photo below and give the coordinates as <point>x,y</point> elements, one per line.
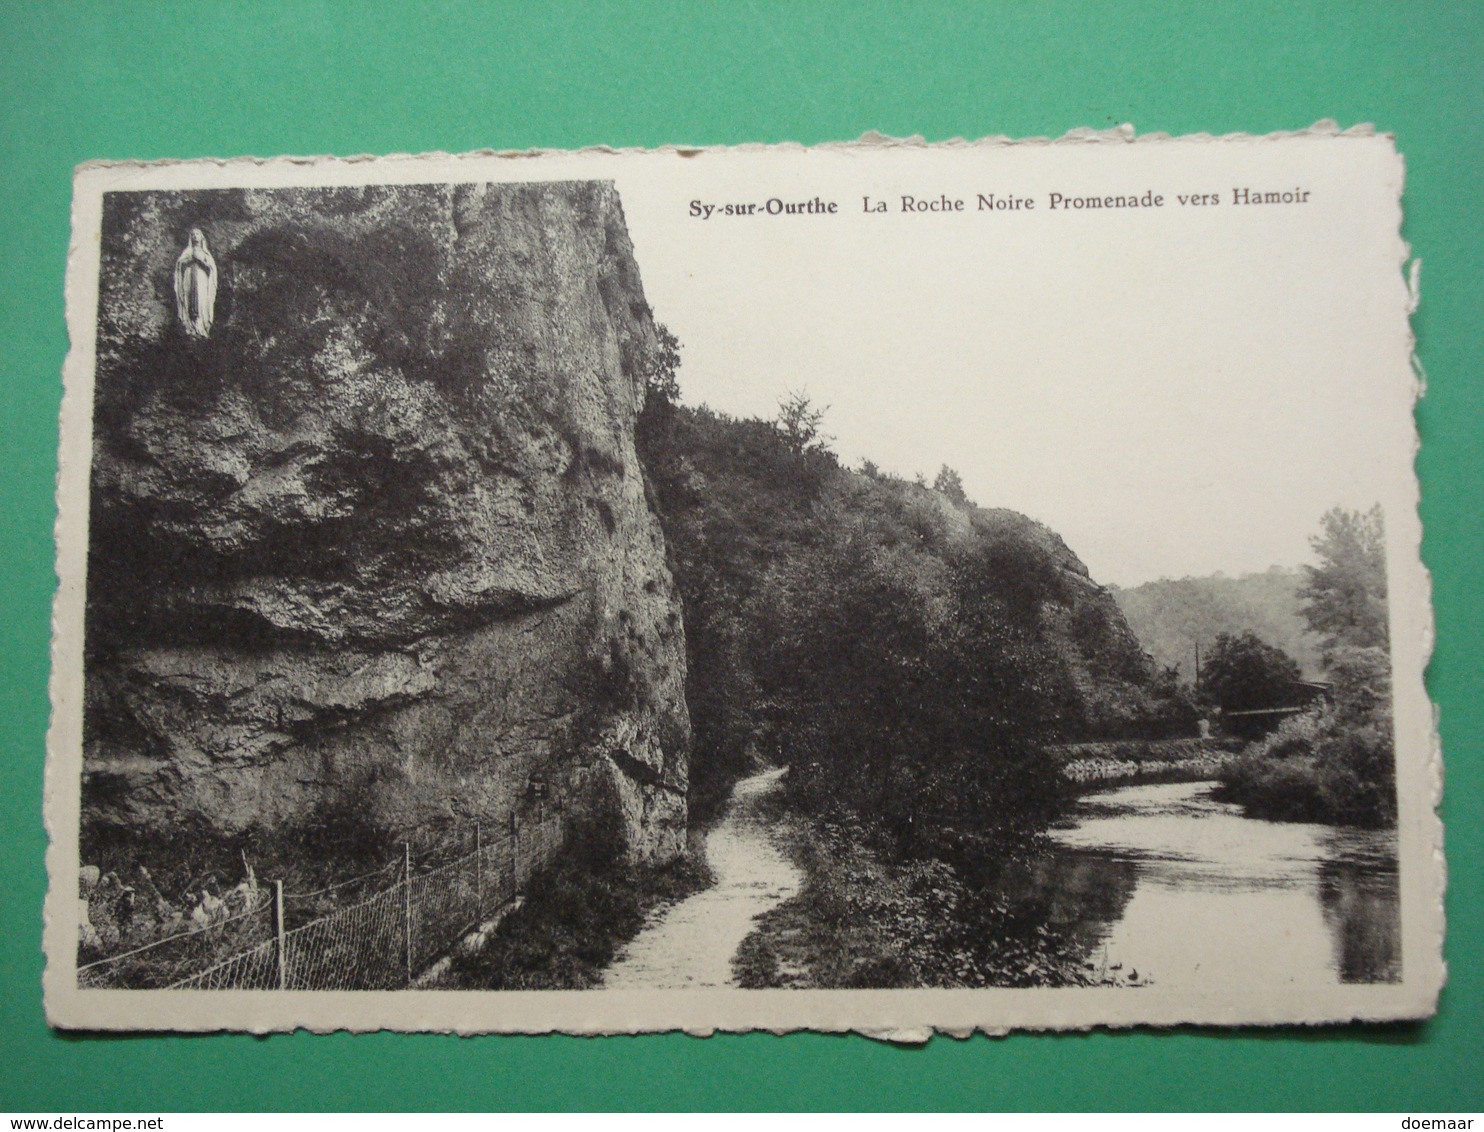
<point>1333,766</point>
<point>1296,736</point>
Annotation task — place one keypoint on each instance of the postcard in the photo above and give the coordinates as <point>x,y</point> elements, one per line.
<point>882,586</point>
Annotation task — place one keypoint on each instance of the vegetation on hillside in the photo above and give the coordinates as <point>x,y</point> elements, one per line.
<point>904,651</point>
<point>1172,617</point>
<point>1336,763</point>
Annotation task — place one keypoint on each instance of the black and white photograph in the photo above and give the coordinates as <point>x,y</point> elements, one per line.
<point>880,586</point>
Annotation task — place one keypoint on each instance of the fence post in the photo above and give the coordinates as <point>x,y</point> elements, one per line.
<point>407,905</point>
<point>278,934</point>
<point>514,854</point>
<point>478,877</point>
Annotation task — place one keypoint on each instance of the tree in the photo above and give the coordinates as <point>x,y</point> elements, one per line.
<point>661,387</point>
<point>1348,775</point>
<point>1244,673</point>
<point>1345,594</point>
<point>654,433</point>
<point>951,484</point>
<point>799,422</point>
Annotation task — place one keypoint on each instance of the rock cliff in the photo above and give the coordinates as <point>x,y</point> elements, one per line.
<point>1117,687</point>
<point>376,549</point>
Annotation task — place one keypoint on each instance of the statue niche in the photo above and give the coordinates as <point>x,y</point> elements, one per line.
<point>195,286</point>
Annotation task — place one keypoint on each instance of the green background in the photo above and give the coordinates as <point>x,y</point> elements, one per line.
<point>197,79</point>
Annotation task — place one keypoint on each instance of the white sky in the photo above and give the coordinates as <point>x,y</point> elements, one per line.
<point>1175,392</point>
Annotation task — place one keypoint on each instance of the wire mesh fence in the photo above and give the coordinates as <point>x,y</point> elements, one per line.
<point>167,961</point>
<point>255,969</point>
<point>384,930</point>
<point>360,948</point>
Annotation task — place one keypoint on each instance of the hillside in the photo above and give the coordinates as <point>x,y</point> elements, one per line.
<point>902,652</point>
<point>1170,615</point>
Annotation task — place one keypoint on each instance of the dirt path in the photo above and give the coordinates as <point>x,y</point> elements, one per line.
<point>691,944</point>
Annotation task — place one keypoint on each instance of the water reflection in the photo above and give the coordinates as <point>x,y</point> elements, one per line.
<point>1076,895</point>
<point>1360,903</point>
<point>1164,884</point>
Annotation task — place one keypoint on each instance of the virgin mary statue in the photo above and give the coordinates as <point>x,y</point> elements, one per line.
<point>195,286</point>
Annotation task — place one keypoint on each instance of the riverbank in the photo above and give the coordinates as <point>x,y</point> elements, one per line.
<point>1317,769</point>
<point>1124,762</point>
<point>869,919</point>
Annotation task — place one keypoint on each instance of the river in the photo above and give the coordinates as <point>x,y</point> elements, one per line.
<point>1165,884</point>
<point>692,943</point>
<point>1150,884</point>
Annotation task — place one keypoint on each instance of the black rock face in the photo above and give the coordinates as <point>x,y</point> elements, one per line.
<point>382,534</point>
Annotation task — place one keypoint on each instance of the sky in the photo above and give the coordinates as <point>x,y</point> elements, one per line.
<point>1176,391</point>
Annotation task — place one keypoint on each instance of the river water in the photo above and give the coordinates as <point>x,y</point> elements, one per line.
<point>1157,884</point>
<point>691,944</point>
<point>1164,884</point>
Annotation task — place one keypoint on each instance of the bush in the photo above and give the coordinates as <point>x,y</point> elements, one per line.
<point>1279,790</point>
<point>1335,765</point>
<point>1296,736</point>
